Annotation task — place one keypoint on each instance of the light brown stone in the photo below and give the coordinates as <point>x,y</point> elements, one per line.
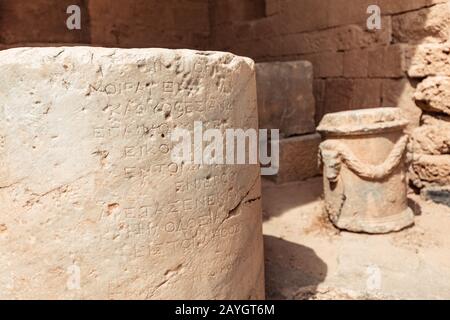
<point>423,26</point>
<point>90,191</point>
<point>345,94</point>
<point>428,60</point>
<point>400,93</point>
<point>354,36</point>
<point>430,170</point>
<point>295,20</point>
<point>433,94</point>
<point>435,119</point>
<point>399,6</point>
<point>319,96</point>
<point>298,158</point>
<point>356,63</point>
<point>338,95</point>
<point>285,96</point>
<point>169,23</point>
<point>387,62</point>
<point>432,138</point>
<point>326,64</point>
<point>41,21</point>
<point>364,170</point>
<point>366,93</point>
<point>342,12</point>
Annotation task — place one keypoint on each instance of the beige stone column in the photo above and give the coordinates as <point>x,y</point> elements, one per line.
<point>92,204</point>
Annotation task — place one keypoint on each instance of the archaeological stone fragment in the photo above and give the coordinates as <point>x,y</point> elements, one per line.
<point>433,94</point>
<point>92,204</point>
<point>363,159</point>
<point>429,151</point>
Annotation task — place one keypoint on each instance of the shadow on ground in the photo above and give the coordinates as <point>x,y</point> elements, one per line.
<point>280,198</point>
<point>289,267</point>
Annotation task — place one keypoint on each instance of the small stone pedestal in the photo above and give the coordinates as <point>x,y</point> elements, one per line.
<point>363,160</point>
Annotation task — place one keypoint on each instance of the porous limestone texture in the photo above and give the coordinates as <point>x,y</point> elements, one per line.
<point>93,207</point>
<point>429,151</point>
<point>364,167</point>
<point>433,94</point>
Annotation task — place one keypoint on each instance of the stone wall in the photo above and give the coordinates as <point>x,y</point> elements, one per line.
<point>404,64</point>
<point>353,67</point>
<point>139,23</point>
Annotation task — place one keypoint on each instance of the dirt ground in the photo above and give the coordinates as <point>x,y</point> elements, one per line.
<point>307,258</point>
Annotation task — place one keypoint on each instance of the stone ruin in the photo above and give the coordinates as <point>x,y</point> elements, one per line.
<point>364,170</point>
<point>89,187</point>
<point>78,167</point>
<point>286,102</point>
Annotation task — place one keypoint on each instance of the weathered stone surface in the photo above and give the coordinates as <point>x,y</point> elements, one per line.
<point>338,95</point>
<point>366,93</point>
<point>356,63</point>
<point>430,170</point>
<point>392,7</point>
<point>169,23</point>
<point>345,94</point>
<point>285,96</point>
<point>294,18</point>
<point>326,64</point>
<point>364,170</point>
<point>423,26</point>
<point>428,60</point>
<point>353,36</point>
<point>435,119</point>
<point>387,62</point>
<point>432,139</point>
<point>430,153</point>
<point>433,94</point>
<point>352,11</point>
<point>90,193</point>
<point>319,97</point>
<point>298,158</point>
<point>41,21</point>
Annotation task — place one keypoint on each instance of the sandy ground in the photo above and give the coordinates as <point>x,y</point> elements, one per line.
<point>307,258</point>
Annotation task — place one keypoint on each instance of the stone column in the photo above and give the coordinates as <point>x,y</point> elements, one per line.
<point>364,170</point>
<point>92,203</point>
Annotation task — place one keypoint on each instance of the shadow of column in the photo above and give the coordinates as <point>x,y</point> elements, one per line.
<point>290,267</point>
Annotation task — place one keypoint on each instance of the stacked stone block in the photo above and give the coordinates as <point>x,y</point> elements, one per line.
<point>353,67</point>
<point>125,24</point>
<point>286,102</point>
<point>405,64</point>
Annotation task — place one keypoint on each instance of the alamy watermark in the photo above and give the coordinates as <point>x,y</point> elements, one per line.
<point>73,22</point>
<point>373,281</point>
<point>234,146</point>
<point>74,277</point>
<point>374,20</point>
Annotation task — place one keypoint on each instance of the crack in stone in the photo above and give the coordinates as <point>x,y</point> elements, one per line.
<point>169,274</point>
<point>233,212</point>
<point>37,196</point>
<point>11,184</point>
